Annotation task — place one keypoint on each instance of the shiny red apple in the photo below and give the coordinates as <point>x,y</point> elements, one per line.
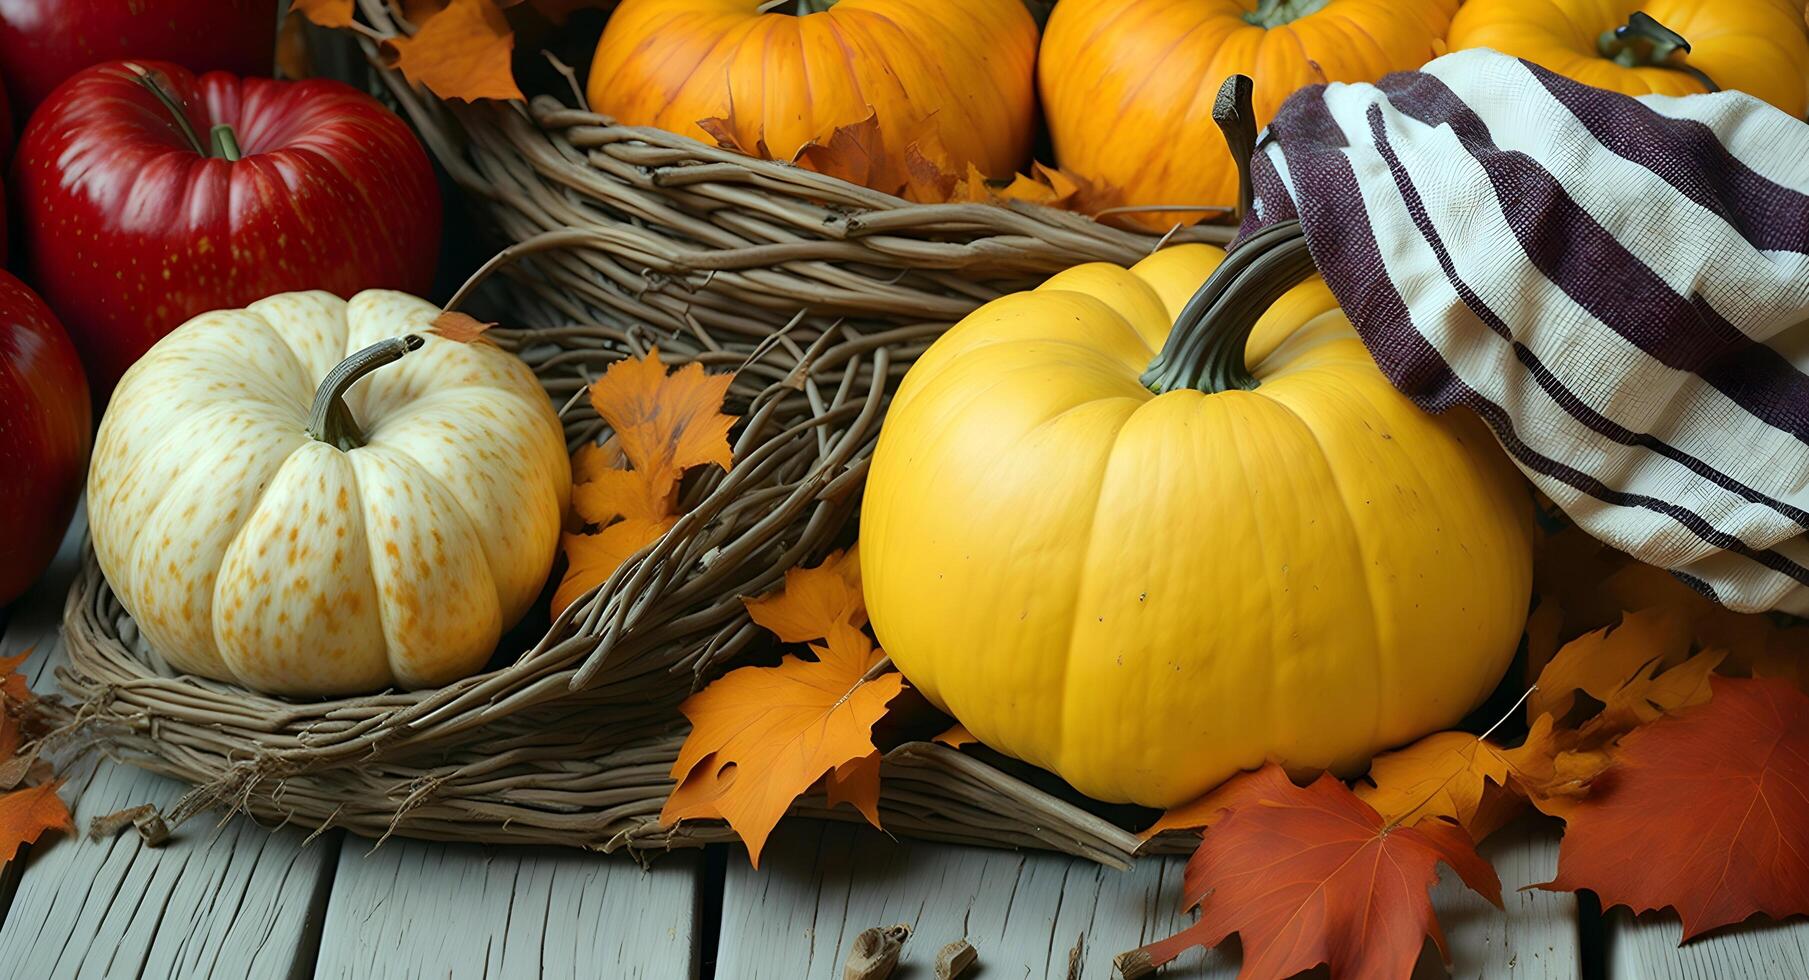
<point>148,195</point>
<point>43,42</point>
<point>44,435</point>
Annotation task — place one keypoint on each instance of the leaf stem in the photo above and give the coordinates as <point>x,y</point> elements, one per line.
<point>149,80</point>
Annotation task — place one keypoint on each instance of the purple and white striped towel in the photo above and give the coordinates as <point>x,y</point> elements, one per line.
<point>1618,286</point>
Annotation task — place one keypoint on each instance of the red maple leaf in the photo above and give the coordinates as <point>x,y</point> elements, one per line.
<point>1706,812</point>
<point>1311,875</point>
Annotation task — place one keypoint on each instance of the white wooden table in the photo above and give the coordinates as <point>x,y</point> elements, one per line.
<point>237,900</point>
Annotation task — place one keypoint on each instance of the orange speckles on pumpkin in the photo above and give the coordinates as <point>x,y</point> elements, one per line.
<point>389,548</point>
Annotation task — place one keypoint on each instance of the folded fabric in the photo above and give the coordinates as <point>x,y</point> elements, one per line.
<point>1618,286</point>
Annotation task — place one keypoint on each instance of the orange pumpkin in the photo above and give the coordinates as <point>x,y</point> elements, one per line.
<point>1128,85</point>
<point>1669,47</point>
<point>955,77</point>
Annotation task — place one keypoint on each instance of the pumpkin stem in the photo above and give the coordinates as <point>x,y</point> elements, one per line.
<point>1274,13</point>
<point>1236,118</point>
<point>330,420</point>
<point>1643,41</point>
<point>1205,350</point>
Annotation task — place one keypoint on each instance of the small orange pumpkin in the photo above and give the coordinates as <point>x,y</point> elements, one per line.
<point>955,76</point>
<point>1668,47</point>
<point>1128,85</point>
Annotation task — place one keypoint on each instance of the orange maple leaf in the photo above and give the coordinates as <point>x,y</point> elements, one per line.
<point>1608,660</point>
<point>956,736</point>
<point>814,601</point>
<point>1452,775</point>
<point>856,783</point>
<point>664,424</point>
<point>1706,812</point>
<point>25,814</point>
<point>761,736</point>
<point>1268,783</point>
<point>326,13</point>
<point>461,51</point>
<point>1312,875</point>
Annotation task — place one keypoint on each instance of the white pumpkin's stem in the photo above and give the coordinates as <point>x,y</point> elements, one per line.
<point>330,420</point>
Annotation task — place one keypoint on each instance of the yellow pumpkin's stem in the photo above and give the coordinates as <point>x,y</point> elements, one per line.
<point>1205,350</point>
<point>1643,41</point>
<point>330,420</point>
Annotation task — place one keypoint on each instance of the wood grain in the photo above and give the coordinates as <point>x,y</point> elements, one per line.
<point>1027,914</point>
<point>418,909</point>
<point>1536,936</point>
<point>1645,948</point>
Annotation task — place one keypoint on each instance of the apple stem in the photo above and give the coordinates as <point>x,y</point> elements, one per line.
<point>149,80</point>
<point>226,142</point>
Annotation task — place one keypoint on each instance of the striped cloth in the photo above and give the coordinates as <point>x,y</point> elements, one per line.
<point>1618,286</point>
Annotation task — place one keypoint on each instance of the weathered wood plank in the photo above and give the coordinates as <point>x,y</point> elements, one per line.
<point>1645,948</point>
<point>1026,914</point>
<point>1536,938</point>
<point>418,909</point>
<point>235,901</point>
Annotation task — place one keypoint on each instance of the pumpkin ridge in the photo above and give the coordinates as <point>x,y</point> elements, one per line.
<point>1088,568</point>
<point>1379,696</point>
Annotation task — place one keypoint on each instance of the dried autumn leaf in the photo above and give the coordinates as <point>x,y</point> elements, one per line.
<point>956,736</point>
<point>665,421</point>
<point>326,13</point>
<point>461,51</point>
<point>1554,767</point>
<point>856,152</point>
<point>592,558</point>
<point>1706,812</point>
<point>1314,875</point>
<point>1267,783</point>
<point>25,814</point>
<point>664,424</point>
<point>769,733</point>
<point>458,327</point>
<point>856,783</point>
<point>1453,775</point>
<point>814,601</point>
<point>1609,660</point>
<point>12,683</point>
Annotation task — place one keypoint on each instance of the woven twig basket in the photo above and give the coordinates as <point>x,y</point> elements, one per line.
<point>818,294</point>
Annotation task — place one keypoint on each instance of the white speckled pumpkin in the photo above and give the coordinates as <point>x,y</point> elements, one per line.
<point>265,530</point>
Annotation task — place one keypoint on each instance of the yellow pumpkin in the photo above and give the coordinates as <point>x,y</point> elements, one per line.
<point>958,73</point>
<point>265,526</point>
<point>1145,582</point>
<point>1128,85</point>
<point>1632,46</point>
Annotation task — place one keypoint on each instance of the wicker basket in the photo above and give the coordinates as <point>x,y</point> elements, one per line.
<point>819,294</point>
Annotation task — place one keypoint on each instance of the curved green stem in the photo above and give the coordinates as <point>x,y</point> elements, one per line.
<point>1274,13</point>
<point>1643,42</point>
<point>1236,118</point>
<point>226,142</point>
<point>1205,350</point>
<point>150,81</point>
<point>330,420</point>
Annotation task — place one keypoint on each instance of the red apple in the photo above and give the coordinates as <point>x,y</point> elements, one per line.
<point>44,435</point>
<point>43,42</point>
<point>148,195</point>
